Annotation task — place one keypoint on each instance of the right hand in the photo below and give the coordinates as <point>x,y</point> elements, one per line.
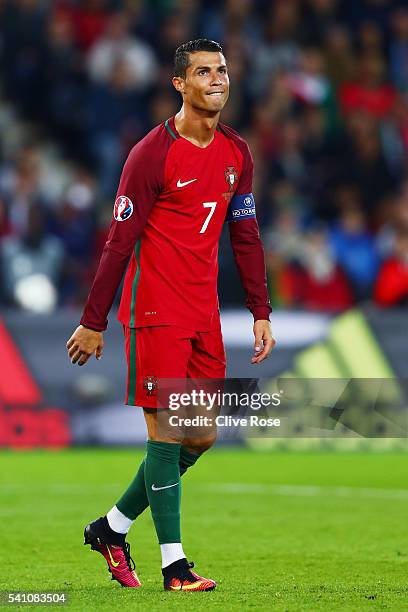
<point>83,343</point>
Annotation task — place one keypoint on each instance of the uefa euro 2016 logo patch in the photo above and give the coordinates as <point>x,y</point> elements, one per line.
<point>123,208</point>
<point>150,383</point>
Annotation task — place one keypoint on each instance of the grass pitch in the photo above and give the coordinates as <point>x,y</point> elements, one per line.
<point>278,531</point>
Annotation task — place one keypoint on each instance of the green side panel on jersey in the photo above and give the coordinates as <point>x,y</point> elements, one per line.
<point>134,286</point>
<point>132,350</point>
<point>132,368</point>
<point>170,131</point>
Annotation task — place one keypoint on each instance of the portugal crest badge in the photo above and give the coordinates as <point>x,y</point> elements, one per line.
<point>231,176</point>
<point>150,383</point>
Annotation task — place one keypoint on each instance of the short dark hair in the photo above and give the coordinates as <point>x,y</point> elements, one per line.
<point>181,56</point>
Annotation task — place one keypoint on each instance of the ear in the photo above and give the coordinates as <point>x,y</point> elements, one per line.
<point>178,83</point>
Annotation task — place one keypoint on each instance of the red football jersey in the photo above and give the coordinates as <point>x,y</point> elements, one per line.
<point>172,201</point>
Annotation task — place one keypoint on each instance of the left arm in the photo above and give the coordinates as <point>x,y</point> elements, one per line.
<point>249,256</point>
<point>250,261</point>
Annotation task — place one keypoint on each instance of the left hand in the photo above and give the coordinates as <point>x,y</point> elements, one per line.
<point>264,341</point>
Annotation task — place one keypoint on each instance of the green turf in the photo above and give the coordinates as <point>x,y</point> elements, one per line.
<point>335,539</point>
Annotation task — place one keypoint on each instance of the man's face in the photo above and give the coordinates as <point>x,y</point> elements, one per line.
<point>206,84</point>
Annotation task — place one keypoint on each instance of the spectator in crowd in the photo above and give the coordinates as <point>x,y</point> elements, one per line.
<point>338,50</point>
<point>289,162</point>
<point>88,18</point>
<point>397,217</point>
<point>277,50</point>
<point>370,39</point>
<point>363,163</point>
<point>283,243</point>
<point>34,256</point>
<point>399,49</point>
<point>315,281</point>
<point>20,185</point>
<point>355,250</point>
<point>75,225</point>
<point>309,84</point>
<point>392,284</point>
<point>369,92</point>
<point>117,44</point>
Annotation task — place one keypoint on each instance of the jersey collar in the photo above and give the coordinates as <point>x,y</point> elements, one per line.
<point>170,126</point>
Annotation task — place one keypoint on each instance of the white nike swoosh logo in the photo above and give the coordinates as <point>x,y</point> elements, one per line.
<point>154,488</point>
<point>180,184</point>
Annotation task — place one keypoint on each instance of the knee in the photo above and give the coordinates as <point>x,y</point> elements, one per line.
<point>199,445</point>
<point>158,430</point>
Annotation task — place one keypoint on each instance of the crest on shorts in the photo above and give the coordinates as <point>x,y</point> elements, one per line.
<point>231,176</point>
<point>150,383</point>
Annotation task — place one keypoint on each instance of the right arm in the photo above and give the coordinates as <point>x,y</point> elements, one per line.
<point>139,187</point>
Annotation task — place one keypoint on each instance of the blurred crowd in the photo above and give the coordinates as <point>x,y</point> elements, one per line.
<point>319,88</point>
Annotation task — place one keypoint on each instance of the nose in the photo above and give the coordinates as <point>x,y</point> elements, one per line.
<point>216,79</point>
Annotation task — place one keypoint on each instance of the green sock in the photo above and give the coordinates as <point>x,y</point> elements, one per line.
<point>134,501</point>
<point>163,487</point>
<point>187,460</point>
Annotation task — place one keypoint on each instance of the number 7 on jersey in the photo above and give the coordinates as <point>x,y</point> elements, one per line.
<point>211,205</point>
